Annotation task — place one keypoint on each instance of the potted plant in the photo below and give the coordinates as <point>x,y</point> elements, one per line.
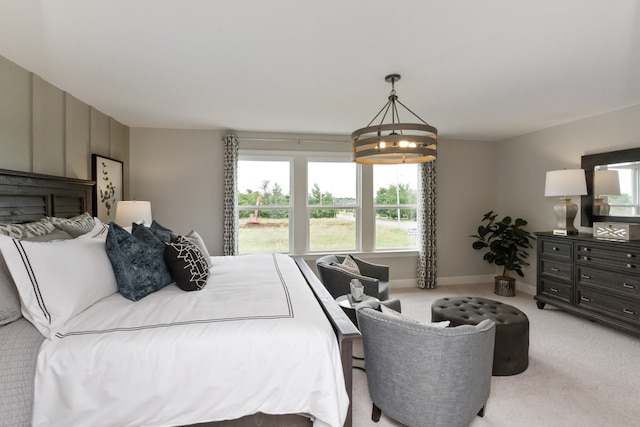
<point>506,242</point>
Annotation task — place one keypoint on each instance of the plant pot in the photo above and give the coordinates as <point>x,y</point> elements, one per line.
<point>505,286</point>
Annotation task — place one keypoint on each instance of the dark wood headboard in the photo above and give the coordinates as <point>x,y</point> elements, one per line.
<point>26,197</point>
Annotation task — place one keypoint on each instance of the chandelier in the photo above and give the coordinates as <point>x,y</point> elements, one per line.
<point>394,142</point>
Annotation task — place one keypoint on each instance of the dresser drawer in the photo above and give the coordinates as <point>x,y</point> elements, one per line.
<point>556,290</point>
<point>555,269</point>
<point>625,285</point>
<point>625,309</point>
<point>624,260</point>
<point>556,248</point>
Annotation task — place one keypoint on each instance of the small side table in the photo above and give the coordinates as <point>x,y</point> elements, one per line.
<point>350,309</point>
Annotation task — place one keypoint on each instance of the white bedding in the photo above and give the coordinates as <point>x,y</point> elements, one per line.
<point>253,340</point>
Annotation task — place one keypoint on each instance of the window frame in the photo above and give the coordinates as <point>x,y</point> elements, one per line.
<point>249,155</point>
<point>299,214</point>
<point>340,158</point>
<point>397,206</point>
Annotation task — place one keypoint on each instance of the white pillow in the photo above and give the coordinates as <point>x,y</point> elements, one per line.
<point>392,312</point>
<point>195,238</point>
<point>57,280</point>
<point>99,231</point>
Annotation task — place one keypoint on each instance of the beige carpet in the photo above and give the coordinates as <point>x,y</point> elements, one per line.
<point>580,373</point>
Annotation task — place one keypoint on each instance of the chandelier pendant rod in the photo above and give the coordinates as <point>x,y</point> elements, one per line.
<point>379,112</point>
<point>409,110</point>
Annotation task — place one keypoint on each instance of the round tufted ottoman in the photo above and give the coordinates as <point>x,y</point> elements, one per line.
<point>511,350</point>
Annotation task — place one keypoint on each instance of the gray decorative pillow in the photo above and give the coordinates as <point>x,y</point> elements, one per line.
<point>56,234</point>
<point>349,264</point>
<point>137,259</point>
<point>187,264</point>
<point>195,238</point>
<point>28,229</point>
<point>388,310</point>
<point>9,299</point>
<point>76,226</point>
<point>162,233</point>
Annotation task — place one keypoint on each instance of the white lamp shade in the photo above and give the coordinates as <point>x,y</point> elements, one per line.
<point>565,182</point>
<point>606,183</point>
<point>130,211</point>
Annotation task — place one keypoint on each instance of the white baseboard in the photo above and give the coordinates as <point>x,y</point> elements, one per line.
<point>465,280</point>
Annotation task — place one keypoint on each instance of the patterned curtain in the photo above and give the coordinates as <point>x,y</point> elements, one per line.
<point>427,226</point>
<point>230,195</point>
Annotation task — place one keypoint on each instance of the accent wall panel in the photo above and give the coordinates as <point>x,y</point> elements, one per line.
<point>78,135</point>
<point>100,130</point>
<point>15,116</point>
<point>120,149</point>
<point>48,128</point>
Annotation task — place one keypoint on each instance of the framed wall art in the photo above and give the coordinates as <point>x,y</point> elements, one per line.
<point>109,177</point>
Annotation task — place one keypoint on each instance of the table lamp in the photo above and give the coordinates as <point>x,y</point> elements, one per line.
<point>130,211</point>
<point>565,183</point>
<point>605,183</point>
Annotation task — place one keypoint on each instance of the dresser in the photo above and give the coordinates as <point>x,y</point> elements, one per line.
<point>594,278</point>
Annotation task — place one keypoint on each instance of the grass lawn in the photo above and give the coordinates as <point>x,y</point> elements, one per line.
<point>326,234</point>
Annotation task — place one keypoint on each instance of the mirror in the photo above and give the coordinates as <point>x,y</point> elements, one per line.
<point>613,187</point>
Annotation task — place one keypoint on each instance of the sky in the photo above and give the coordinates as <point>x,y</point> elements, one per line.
<point>330,176</point>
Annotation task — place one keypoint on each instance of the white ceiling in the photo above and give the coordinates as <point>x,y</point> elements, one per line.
<point>475,69</point>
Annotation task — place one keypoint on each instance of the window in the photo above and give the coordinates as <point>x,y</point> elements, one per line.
<point>395,202</point>
<point>628,201</point>
<point>304,201</point>
<point>332,204</point>
<point>264,205</point>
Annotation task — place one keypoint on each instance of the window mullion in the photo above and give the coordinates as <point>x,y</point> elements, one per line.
<point>367,224</point>
<point>300,226</point>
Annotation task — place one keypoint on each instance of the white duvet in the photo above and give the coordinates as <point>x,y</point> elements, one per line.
<point>253,340</point>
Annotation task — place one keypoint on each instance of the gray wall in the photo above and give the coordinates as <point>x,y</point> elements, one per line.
<point>523,162</point>
<point>180,171</point>
<point>46,130</point>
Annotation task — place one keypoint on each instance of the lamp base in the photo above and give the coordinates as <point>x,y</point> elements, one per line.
<point>563,232</point>
<point>600,206</point>
<point>565,212</point>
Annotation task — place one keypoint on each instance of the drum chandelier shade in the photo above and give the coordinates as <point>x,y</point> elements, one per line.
<point>394,142</point>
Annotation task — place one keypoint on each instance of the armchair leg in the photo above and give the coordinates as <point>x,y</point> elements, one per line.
<point>481,412</point>
<point>375,413</point>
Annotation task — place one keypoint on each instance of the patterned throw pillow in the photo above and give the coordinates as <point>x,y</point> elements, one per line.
<point>54,236</point>
<point>388,310</point>
<point>76,226</point>
<point>349,264</point>
<point>138,261</point>
<point>195,238</point>
<point>187,264</point>
<point>28,229</point>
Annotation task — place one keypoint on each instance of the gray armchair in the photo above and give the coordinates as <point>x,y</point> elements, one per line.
<point>423,375</point>
<point>374,277</point>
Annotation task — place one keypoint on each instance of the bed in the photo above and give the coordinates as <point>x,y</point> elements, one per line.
<point>262,343</point>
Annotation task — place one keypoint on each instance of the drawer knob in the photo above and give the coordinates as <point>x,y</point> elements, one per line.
<point>586,258</point>
<point>554,290</point>
<point>584,276</point>
<point>628,286</point>
<point>631,266</point>
<point>586,249</point>
<point>629,255</point>
<point>555,249</point>
<point>555,269</point>
<point>585,299</point>
<point>627,311</point>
